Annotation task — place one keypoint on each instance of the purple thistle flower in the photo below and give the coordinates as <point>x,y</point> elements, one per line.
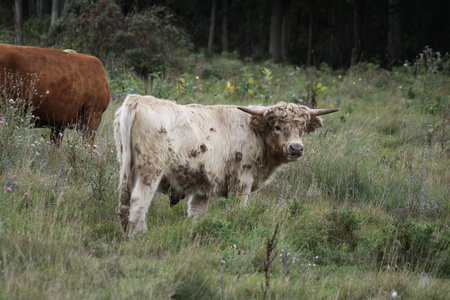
<point>8,189</point>
<point>26,194</point>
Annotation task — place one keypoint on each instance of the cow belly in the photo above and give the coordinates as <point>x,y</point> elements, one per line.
<point>186,179</point>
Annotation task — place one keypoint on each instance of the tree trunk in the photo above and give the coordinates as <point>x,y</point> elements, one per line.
<point>332,58</point>
<point>356,34</point>
<point>285,30</point>
<point>212,27</point>
<point>275,30</point>
<point>310,36</point>
<point>394,42</point>
<point>225,47</point>
<point>55,12</point>
<point>39,9</point>
<point>18,29</point>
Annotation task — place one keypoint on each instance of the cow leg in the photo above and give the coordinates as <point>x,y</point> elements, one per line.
<point>124,208</point>
<point>197,205</point>
<point>141,198</point>
<point>91,128</point>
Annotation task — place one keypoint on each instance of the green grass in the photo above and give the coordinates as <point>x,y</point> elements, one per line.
<point>364,213</point>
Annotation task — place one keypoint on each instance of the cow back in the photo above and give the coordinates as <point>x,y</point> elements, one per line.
<point>71,88</point>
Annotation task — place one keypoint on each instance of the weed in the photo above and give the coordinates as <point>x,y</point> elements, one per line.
<point>17,119</point>
<point>161,88</point>
<point>287,260</point>
<point>270,257</point>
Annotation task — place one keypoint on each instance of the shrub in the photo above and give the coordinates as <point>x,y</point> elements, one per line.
<point>148,41</point>
<point>344,225</point>
<point>411,245</point>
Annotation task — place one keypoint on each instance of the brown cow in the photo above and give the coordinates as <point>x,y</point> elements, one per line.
<point>74,86</point>
<point>199,151</point>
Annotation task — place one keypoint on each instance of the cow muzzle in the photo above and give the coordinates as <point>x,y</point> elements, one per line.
<point>293,151</point>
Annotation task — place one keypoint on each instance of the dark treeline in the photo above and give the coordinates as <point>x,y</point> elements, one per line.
<point>339,33</point>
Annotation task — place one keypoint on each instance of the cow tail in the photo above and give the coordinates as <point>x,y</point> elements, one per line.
<point>123,122</point>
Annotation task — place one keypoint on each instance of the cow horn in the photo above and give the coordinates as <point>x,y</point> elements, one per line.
<point>318,112</point>
<point>253,111</point>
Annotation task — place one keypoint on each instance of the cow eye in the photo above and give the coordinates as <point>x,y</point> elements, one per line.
<point>277,128</point>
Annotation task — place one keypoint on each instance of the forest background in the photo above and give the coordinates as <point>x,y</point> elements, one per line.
<point>336,33</point>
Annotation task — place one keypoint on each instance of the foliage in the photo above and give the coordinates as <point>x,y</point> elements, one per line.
<point>410,245</point>
<point>147,42</point>
<point>16,118</point>
<point>245,28</point>
<point>427,67</point>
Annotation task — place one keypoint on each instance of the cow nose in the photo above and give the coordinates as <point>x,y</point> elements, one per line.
<point>296,149</point>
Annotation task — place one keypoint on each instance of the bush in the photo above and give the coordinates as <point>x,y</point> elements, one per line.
<point>148,41</point>
<point>409,244</point>
<point>345,223</point>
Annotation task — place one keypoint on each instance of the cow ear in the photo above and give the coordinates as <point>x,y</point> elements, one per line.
<point>314,123</point>
<point>258,123</point>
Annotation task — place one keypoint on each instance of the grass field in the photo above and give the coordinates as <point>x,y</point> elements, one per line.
<point>365,214</point>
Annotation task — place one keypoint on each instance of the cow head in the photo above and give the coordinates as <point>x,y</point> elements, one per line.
<point>284,125</point>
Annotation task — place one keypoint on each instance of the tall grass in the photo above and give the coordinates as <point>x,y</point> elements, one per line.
<point>363,214</point>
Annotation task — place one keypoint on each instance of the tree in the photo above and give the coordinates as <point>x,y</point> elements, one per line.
<point>310,35</point>
<point>357,24</point>
<point>39,9</point>
<point>18,29</point>
<point>55,11</point>
<point>225,47</point>
<point>285,30</point>
<point>276,30</point>
<point>212,27</point>
<point>394,39</point>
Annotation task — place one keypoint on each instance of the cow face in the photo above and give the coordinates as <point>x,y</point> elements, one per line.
<point>284,126</point>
